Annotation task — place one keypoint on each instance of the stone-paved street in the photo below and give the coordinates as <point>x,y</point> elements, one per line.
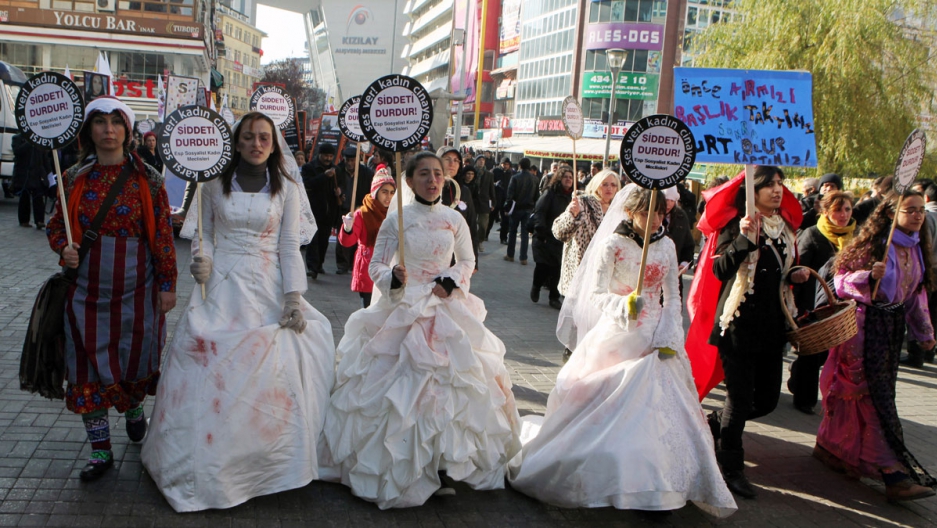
<point>43,447</point>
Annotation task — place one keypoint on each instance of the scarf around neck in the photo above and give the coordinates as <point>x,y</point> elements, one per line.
<point>373,214</point>
<point>837,235</point>
<point>775,229</point>
<point>889,286</point>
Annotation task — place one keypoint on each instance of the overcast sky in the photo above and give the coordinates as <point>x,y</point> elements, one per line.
<point>286,33</point>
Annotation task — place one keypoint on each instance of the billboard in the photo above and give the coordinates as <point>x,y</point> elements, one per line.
<point>510,26</point>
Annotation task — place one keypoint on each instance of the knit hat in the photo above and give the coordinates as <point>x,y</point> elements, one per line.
<point>106,104</point>
<point>326,148</point>
<point>381,178</point>
<point>832,178</point>
<point>671,193</point>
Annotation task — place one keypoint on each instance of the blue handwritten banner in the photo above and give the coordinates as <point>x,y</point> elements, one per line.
<point>748,116</point>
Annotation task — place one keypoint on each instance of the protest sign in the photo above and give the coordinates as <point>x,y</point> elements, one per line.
<point>272,100</point>
<point>180,91</point>
<point>49,111</point>
<point>748,116</point>
<point>910,160</point>
<point>96,85</point>
<point>195,144</point>
<point>658,151</point>
<point>395,113</point>
<point>572,118</point>
<point>348,119</point>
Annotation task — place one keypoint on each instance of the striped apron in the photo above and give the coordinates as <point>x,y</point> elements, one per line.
<point>114,332</point>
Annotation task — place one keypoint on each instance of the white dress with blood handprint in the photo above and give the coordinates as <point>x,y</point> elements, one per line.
<point>623,427</point>
<point>421,385</point>
<point>241,401</point>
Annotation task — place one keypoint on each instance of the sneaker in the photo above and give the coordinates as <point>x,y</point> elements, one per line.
<point>511,259</point>
<point>40,226</point>
<point>444,491</point>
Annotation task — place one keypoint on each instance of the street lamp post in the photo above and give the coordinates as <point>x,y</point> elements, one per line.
<point>615,58</point>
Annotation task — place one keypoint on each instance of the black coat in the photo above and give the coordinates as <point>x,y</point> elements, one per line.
<point>321,191</point>
<point>153,160</point>
<point>678,229</point>
<point>31,167</point>
<point>346,181</point>
<point>546,248</point>
<point>483,190</point>
<point>814,251</point>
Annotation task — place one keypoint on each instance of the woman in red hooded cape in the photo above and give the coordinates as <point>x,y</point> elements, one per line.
<point>736,303</point>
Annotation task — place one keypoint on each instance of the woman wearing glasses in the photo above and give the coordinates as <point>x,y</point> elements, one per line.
<point>860,433</point>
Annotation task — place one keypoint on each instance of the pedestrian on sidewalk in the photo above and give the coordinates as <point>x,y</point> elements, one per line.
<point>114,315</point>
<point>547,249</point>
<point>521,198</point>
<point>31,169</point>
<point>422,394</point>
<point>323,192</point>
<point>247,375</point>
<point>484,195</point>
<point>361,229</point>
<point>736,301</point>
<point>147,152</point>
<point>861,432</point>
<point>816,245</point>
<point>623,427</point>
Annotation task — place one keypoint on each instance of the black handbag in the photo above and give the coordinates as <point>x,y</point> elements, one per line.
<point>42,364</point>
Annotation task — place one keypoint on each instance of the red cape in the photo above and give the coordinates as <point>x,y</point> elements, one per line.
<point>704,293</point>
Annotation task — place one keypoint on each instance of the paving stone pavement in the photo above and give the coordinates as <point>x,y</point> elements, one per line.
<point>43,446</point>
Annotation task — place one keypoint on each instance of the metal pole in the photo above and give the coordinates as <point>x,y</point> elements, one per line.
<point>457,128</point>
<point>611,114</point>
<point>481,64</point>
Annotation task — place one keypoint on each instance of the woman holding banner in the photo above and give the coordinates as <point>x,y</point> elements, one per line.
<point>735,306</point>
<point>126,280</point>
<point>623,427</point>
<point>861,433</point>
<point>247,378</point>
<point>421,389</point>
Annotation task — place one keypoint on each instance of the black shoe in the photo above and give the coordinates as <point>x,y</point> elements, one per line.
<point>40,226</point>
<point>535,294</point>
<point>806,409</point>
<point>95,470</point>
<point>739,484</point>
<point>341,272</point>
<point>136,431</point>
<point>913,360</point>
<point>555,303</point>
<point>567,353</point>
<point>312,274</point>
<point>929,355</point>
<point>715,426</point>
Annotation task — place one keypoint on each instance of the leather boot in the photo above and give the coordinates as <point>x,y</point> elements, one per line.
<point>915,357</point>
<point>732,462</point>
<point>715,426</point>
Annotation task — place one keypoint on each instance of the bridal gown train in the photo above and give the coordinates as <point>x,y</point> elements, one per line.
<point>242,401</point>
<point>623,427</point>
<point>421,384</point>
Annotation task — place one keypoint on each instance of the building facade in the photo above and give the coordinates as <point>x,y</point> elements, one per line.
<point>239,53</point>
<point>142,39</point>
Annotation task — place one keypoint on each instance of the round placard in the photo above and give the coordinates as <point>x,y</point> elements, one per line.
<point>910,160</point>
<point>273,101</point>
<point>572,118</point>
<point>366,147</point>
<point>348,119</point>
<point>49,110</point>
<point>395,113</point>
<point>658,151</point>
<point>195,144</point>
<point>228,115</point>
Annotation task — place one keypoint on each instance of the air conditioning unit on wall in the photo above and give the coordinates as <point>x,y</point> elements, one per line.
<point>106,5</point>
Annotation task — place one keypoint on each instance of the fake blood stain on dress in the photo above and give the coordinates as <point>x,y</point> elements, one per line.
<point>270,413</point>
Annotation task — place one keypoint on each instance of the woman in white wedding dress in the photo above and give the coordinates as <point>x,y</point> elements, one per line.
<point>246,382</point>
<point>623,427</point>
<point>421,386</point>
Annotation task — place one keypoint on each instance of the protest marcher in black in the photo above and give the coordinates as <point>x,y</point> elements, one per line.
<point>483,192</point>
<point>679,230</point>
<point>816,246</point>
<point>31,169</point>
<point>520,200</point>
<point>548,251</point>
<point>503,176</point>
<point>749,328</point>
<point>323,191</point>
<point>548,177</point>
<point>345,177</point>
<point>147,152</point>
<point>456,194</point>
<point>880,187</point>
<point>687,202</point>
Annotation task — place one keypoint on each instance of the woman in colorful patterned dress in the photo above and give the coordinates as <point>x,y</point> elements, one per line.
<point>115,325</point>
<point>861,433</point>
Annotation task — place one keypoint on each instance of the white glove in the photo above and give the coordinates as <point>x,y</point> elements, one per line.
<point>292,317</point>
<point>200,268</point>
<point>347,222</point>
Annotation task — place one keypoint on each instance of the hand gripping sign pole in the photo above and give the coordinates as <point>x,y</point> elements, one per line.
<point>906,170</point>
<point>656,153</point>
<point>195,144</point>
<point>49,112</point>
<point>351,128</point>
<point>575,125</point>
<point>395,114</point>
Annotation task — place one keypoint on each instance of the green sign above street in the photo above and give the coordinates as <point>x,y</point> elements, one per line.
<point>631,85</point>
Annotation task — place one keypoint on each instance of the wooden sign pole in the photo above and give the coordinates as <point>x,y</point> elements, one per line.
<point>61,186</point>
<point>399,209</point>
<point>891,233</point>
<point>354,186</point>
<point>750,209</point>
<point>652,210</point>
<point>575,172</point>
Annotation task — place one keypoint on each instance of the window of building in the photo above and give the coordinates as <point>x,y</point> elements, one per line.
<point>138,65</point>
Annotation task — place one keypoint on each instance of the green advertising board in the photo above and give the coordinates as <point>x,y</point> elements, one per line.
<point>631,85</point>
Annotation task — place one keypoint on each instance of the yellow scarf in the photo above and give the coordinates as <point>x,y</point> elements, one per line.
<point>838,236</point>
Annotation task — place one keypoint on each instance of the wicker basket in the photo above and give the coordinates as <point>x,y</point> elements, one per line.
<point>835,324</point>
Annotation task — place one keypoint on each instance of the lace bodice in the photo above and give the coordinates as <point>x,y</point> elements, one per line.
<point>432,234</point>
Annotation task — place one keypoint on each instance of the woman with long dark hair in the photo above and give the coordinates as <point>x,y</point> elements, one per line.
<point>861,433</point>
<point>737,310</point>
<point>421,390</point>
<point>247,377</point>
<point>126,281</point>
<point>547,249</point>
